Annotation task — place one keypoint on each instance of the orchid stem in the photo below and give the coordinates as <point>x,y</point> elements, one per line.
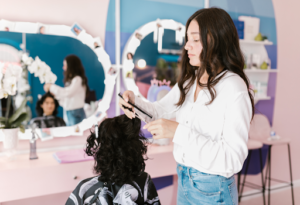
<point>7,109</point>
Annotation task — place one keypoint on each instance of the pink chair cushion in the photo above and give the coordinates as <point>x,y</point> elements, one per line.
<point>254,144</point>
<point>280,141</point>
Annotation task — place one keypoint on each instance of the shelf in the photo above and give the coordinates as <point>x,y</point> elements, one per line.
<point>258,98</point>
<point>247,70</point>
<point>243,41</point>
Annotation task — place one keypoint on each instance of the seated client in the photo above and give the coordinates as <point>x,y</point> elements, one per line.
<point>46,109</point>
<point>119,153</point>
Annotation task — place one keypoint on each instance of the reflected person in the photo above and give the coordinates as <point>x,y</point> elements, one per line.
<point>46,109</point>
<point>72,96</point>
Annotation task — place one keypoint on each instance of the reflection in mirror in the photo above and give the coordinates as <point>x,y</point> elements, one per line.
<point>152,58</point>
<point>158,65</point>
<point>47,110</point>
<point>72,96</point>
<point>53,45</point>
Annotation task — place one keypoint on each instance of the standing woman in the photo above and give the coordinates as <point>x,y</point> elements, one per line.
<point>72,96</point>
<point>213,107</point>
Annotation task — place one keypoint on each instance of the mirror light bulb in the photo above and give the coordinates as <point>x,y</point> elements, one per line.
<point>141,63</point>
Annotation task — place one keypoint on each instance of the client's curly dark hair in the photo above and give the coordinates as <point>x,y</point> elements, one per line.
<point>120,149</point>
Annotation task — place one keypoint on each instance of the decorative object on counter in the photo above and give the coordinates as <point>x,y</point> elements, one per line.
<point>45,134</point>
<point>273,136</point>
<point>264,66</point>
<point>14,121</point>
<point>255,61</point>
<point>10,142</point>
<point>33,154</point>
<point>77,128</point>
<point>166,71</point>
<point>251,26</point>
<point>70,156</point>
<point>260,37</point>
<point>10,74</point>
<point>239,25</point>
<point>259,88</point>
<point>158,89</point>
<point>10,125</point>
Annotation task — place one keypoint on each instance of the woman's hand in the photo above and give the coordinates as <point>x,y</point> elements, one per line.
<point>47,87</point>
<point>128,96</point>
<point>162,128</point>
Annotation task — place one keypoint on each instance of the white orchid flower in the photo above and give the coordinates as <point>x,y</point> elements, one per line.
<point>1,71</point>
<point>35,67</point>
<point>42,70</point>
<point>13,71</point>
<point>50,77</point>
<point>42,73</point>
<point>23,85</point>
<point>3,94</point>
<point>26,59</point>
<point>2,65</point>
<point>10,85</point>
<point>32,67</point>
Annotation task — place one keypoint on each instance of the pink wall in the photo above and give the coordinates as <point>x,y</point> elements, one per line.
<point>90,14</point>
<point>287,101</point>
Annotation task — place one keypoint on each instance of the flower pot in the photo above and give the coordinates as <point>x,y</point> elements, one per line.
<point>10,141</point>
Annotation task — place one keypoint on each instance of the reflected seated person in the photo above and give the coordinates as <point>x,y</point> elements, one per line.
<point>119,151</point>
<point>46,109</point>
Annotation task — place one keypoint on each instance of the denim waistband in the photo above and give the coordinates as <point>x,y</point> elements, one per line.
<point>190,170</point>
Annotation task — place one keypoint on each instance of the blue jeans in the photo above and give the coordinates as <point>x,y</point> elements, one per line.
<point>198,188</point>
<point>75,116</point>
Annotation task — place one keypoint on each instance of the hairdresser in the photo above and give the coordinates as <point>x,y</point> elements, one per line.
<point>213,108</point>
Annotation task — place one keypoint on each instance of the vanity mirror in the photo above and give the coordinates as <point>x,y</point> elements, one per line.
<point>152,52</point>
<point>51,44</point>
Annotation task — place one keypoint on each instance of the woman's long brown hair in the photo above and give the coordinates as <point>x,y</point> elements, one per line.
<point>75,68</point>
<point>221,49</point>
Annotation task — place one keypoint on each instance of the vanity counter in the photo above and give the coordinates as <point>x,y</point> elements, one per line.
<point>23,178</point>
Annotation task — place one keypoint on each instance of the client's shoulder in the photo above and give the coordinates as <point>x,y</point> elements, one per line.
<point>88,183</point>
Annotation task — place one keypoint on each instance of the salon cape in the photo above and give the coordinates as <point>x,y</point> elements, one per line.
<point>210,138</point>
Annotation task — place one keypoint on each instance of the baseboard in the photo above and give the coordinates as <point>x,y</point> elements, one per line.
<point>295,183</point>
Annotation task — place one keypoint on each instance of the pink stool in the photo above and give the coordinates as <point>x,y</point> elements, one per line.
<point>261,131</point>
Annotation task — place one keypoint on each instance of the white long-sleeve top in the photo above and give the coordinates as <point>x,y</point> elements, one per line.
<point>210,138</point>
<point>71,97</point>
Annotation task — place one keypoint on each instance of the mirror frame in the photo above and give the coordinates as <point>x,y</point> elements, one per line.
<point>132,44</point>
